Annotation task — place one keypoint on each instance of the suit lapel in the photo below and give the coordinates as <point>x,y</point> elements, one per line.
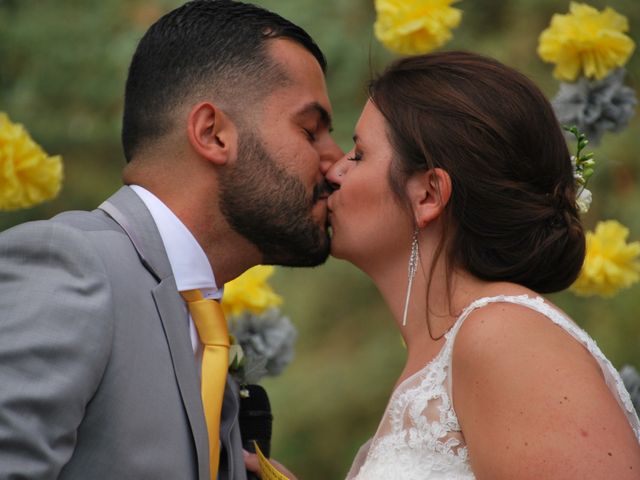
<point>126,209</point>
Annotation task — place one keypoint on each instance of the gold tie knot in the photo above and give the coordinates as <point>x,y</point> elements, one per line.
<point>208,318</point>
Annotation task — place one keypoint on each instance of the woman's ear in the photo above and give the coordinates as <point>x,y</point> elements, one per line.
<point>429,193</point>
<point>211,133</point>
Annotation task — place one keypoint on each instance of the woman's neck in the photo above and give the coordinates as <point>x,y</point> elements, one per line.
<point>433,307</point>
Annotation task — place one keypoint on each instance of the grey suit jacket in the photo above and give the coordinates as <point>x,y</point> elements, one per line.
<point>97,372</point>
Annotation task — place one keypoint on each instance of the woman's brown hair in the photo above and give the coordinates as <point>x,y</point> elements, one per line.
<point>512,213</point>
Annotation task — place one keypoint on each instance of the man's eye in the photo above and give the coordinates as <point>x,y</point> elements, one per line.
<point>310,135</point>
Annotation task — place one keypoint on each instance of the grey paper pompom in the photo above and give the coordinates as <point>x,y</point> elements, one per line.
<point>267,341</point>
<point>631,379</point>
<point>596,106</point>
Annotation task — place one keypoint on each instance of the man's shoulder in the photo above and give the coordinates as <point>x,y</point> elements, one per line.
<point>86,220</point>
<point>77,230</point>
<point>78,244</point>
<point>70,223</point>
<point>94,220</point>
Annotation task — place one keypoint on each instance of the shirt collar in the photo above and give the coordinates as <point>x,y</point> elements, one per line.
<point>189,263</point>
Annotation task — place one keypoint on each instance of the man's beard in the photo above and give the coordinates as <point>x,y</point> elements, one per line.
<point>271,208</point>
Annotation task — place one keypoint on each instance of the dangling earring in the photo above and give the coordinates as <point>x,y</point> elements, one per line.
<point>413,267</point>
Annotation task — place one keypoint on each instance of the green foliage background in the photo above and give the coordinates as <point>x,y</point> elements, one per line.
<point>62,70</point>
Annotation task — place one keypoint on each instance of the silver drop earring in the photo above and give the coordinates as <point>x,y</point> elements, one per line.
<point>413,267</point>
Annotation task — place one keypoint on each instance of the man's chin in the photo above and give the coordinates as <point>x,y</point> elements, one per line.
<point>301,255</point>
<point>316,256</point>
<point>314,260</point>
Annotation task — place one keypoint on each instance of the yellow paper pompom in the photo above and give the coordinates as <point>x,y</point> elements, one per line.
<point>250,291</point>
<point>610,264</point>
<point>412,27</point>
<point>586,42</point>
<point>28,176</point>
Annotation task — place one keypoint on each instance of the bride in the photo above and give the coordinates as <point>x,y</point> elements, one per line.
<point>458,200</point>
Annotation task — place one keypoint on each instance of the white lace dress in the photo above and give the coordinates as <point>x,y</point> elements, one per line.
<point>419,437</point>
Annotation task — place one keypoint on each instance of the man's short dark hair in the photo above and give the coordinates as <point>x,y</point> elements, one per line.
<point>207,49</point>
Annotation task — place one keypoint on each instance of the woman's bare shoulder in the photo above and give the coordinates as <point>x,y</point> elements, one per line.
<point>524,387</point>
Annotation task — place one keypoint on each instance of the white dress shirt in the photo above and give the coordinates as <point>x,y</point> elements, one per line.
<point>189,263</point>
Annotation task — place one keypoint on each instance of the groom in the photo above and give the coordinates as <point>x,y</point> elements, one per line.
<point>226,135</point>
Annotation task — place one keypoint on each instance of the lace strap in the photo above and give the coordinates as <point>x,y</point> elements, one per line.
<point>612,378</point>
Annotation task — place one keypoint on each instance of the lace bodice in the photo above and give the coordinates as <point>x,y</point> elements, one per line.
<point>419,437</point>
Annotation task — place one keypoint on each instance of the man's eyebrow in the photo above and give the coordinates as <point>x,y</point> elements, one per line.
<point>317,109</point>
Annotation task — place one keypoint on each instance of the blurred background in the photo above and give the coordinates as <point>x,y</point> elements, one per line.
<point>63,65</point>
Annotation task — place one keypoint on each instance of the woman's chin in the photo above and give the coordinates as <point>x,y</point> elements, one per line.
<point>337,251</point>
<point>342,247</point>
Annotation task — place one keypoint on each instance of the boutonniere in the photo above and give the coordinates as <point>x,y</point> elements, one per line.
<point>236,354</point>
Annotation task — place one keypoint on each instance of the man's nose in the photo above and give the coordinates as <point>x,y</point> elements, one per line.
<point>330,155</point>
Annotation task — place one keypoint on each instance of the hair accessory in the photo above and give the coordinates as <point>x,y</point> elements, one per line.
<point>413,267</point>
<point>583,165</point>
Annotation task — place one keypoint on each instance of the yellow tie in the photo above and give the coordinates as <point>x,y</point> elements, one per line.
<point>214,335</point>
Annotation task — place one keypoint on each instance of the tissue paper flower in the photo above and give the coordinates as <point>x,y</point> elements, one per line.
<point>250,292</point>
<point>28,176</point>
<point>596,106</point>
<point>415,26</point>
<point>611,263</point>
<point>267,342</point>
<point>586,42</point>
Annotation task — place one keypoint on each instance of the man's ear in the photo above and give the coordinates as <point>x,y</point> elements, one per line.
<point>211,133</point>
<point>429,193</point>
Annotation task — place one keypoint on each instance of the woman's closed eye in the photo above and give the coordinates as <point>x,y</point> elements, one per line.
<point>356,157</point>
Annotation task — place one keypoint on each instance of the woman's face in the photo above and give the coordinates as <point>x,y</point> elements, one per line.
<point>366,218</point>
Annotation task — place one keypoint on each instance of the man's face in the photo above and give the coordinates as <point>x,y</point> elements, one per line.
<point>275,193</point>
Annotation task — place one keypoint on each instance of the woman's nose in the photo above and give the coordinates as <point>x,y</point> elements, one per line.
<point>335,174</point>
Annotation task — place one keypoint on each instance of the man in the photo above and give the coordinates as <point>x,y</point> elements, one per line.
<point>226,134</point>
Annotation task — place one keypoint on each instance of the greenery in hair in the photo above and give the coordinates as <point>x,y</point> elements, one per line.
<point>584,162</point>
<point>583,167</point>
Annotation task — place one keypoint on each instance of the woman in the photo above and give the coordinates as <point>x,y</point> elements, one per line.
<point>459,200</point>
